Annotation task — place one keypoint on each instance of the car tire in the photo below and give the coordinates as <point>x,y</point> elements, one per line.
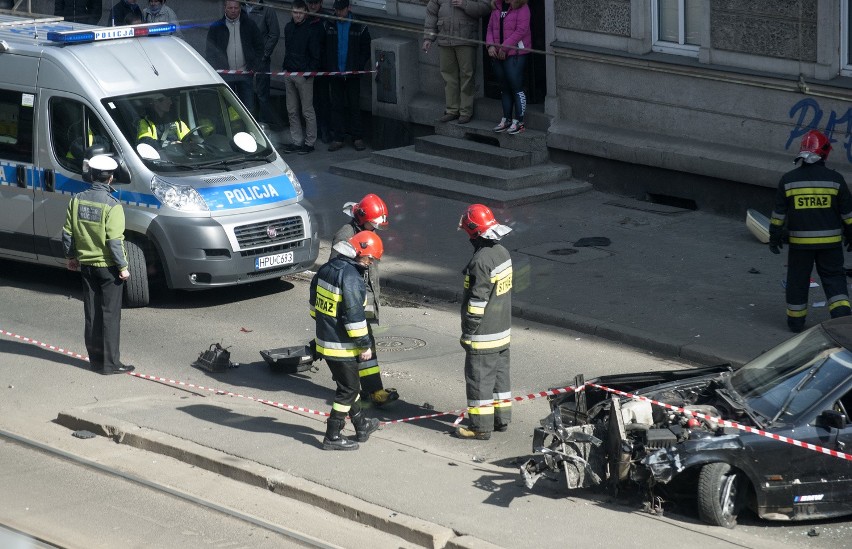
<point>136,291</point>
<point>720,494</point>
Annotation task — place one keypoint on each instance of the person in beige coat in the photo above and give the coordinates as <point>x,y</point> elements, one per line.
<point>455,26</point>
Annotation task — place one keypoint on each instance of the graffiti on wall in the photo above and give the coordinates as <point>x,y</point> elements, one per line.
<point>808,115</point>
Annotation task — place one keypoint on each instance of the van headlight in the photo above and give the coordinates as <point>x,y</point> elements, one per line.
<point>178,197</point>
<point>293,179</point>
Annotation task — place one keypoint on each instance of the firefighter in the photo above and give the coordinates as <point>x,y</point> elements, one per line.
<point>486,322</point>
<point>370,214</point>
<point>337,297</point>
<point>814,204</point>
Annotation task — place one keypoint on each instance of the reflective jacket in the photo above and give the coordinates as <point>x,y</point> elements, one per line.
<point>816,206</point>
<point>486,311</point>
<point>337,305</point>
<point>371,276</point>
<point>94,228</point>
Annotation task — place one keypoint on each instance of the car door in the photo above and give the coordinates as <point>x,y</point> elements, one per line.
<point>18,177</point>
<point>70,128</point>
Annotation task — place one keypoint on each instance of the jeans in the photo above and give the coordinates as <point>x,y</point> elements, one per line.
<point>510,73</point>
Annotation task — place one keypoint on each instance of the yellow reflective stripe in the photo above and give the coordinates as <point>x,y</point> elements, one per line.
<point>500,404</point>
<point>368,371</point>
<point>338,353</point>
<point>776,222</point>
<point>471,309</point>
<point>483,411</point>
<point>490,344</point>
<point>811,190</point>
<point>466,282</point>
<point>357,332</point>
<point>848,220</point>
<point>797,314</point>
<point>329,294</point>
<point>815,239</point>
<point>841,303</point>
<point>340,407</point>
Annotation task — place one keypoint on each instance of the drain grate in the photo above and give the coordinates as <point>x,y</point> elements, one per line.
<point>393,344</point>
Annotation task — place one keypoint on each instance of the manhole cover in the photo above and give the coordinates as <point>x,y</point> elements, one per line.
<point>562,251</point>
<point>398,343</point>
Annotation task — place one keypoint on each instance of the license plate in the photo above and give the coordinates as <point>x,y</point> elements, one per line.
<point>269,261</point>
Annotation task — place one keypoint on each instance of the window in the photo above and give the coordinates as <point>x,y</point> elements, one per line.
<point>675,25</point>
<point>845,39</point>
<point>16,126</point>
<point>74,128</point>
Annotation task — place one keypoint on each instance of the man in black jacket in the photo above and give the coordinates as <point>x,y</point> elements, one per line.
<point>266,19</point>
<point>347,48</point>
<point>301,47</point>
<point>815,205</point>
<point>79,11</point>
<point>234,43</point>
<point>122,12</point>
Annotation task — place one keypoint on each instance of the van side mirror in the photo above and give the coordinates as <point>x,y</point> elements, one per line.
<point>831,418</point>
<point>122,174</point>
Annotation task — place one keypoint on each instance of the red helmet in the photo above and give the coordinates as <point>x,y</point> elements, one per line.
<point>814,143</point>
<point>476,220</point>
<point>367,243</point>
<point>371,209</point>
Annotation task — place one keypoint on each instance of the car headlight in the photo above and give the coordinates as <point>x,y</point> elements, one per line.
<point>178,197</point>
<point>293,179</point>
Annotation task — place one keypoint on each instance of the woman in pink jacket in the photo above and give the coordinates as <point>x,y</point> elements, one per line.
<point>509,38</point>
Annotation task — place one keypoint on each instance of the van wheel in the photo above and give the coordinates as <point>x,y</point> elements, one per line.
<point>136,292</point>
<point>720,494</point>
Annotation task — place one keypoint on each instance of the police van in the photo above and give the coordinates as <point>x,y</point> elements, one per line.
<point>208,201</point>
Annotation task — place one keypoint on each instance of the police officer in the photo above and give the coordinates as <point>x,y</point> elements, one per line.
<point>337,298</point>
<point>370,214</point>
<point>158,127</point>
<point>486,322</point>
<point>815,205</point>
<point>93,241</point>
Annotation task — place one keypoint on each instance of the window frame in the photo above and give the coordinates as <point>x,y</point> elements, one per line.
<point>664,46</point>
<point>845,39</point>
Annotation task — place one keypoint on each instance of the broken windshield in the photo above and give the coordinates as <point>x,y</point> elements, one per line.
<point>173,130</point>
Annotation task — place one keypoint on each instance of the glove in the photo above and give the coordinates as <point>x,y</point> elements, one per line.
<point>775,247</point>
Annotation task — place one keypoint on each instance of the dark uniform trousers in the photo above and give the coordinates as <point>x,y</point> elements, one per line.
<point>829,266</point>
<point>345,374</point>
<point>487,379</point>
<point>368,370</point>
<point>102,307</point>
<point>345,97</point>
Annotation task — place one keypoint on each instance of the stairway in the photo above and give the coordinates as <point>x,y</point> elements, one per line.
<point>471,163</point>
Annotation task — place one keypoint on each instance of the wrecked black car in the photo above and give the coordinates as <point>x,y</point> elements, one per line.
<point>801,389</point>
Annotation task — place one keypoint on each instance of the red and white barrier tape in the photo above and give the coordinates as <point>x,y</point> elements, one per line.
<point>729,423</point>
<point>45,345</point>
<point>298,73</point>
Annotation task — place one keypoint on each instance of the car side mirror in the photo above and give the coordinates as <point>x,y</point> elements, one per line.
<point>831,418</point>
<point>122,174</point>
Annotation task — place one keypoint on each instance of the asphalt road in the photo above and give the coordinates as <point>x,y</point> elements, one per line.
<point>162,340</point>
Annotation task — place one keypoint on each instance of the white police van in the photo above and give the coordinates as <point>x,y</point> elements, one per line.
<point>208,201</point>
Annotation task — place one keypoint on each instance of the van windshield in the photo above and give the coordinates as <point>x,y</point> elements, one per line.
<point>197,128</point>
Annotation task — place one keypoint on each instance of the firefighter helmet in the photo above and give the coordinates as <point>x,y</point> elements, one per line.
<point>371,209</point>
<point>367,244</point>
<point>476,220</point>
<point>815,146</point>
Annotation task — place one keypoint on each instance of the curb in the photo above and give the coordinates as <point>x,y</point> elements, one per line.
<point>635,337</point>
<point>411,529</point>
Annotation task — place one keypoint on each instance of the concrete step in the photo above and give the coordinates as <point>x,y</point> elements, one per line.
<point>531,141</point>
<point>406,158</point>
<point>472,151</point>
<point>401,178</point>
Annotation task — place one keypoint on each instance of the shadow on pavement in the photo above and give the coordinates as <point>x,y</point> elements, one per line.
<point>254,424</point>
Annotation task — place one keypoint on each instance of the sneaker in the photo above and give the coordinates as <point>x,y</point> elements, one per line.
<point>384,396</point>
<point>470,434</point>
<point>305,149</point>
<point>502,126</point>
<point>449,117</point>
<point>359,144</point>
<point>516,128</point>
<point>290,148</point>
<point>335,146</point>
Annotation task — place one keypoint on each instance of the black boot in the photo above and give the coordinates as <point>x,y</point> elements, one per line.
<point>334,440</point>
<point>363,425</point>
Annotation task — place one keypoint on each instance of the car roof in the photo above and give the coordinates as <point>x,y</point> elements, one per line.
<point>840,330</point>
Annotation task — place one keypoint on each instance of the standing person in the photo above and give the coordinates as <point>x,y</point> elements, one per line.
<point>347,48</point>
<point>122,11</point>
<point>455,25</point>
<point>79,11</point>
<point>322,102</point>
<point>815,205</point>
<point>508,37</point>
<point>370,214</point>
<point>486,322</point>
<point>158,12</point>
<point>336,297</point>
<point>266,20</point>
<point>301,47</point>
<point>93,241</point>
<point>234,43</point>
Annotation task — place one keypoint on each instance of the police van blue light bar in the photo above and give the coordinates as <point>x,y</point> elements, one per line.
<point>110,33</point>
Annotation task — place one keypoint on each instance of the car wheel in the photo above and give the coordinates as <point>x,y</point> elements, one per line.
<point>720,494</point>
<point>136,292</point>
